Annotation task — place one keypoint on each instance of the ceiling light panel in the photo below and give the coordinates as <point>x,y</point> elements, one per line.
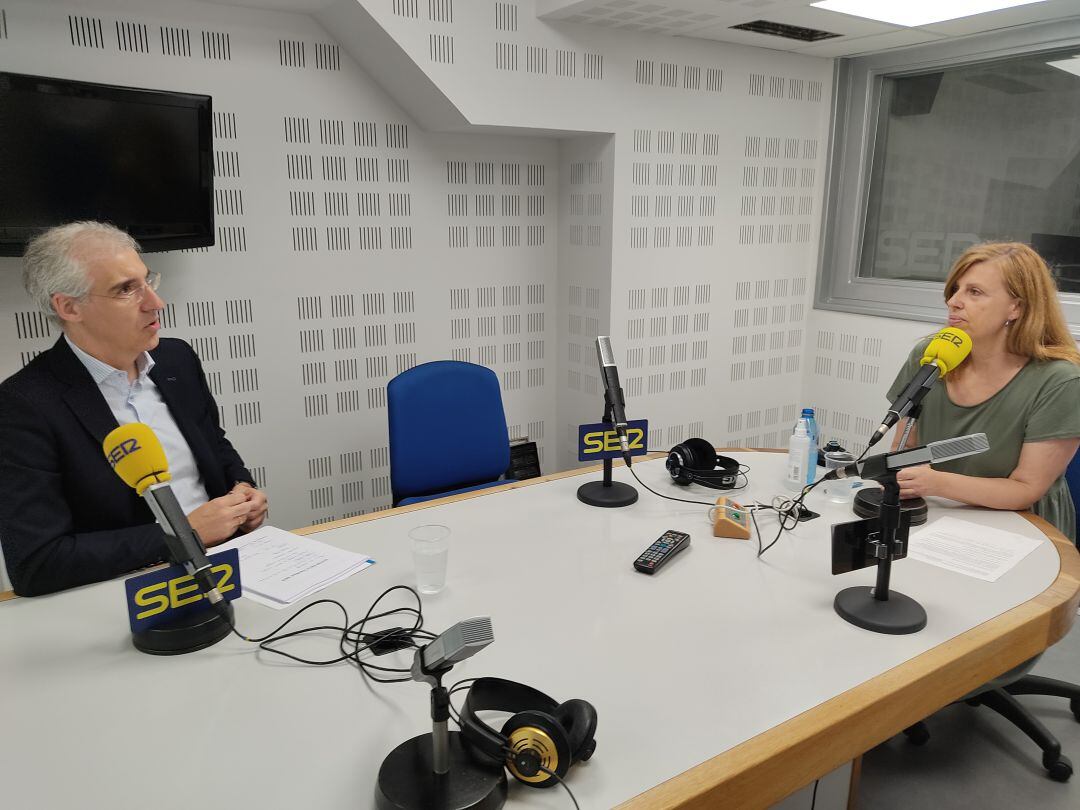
<point>1068,65</point>
<point>913,13</point>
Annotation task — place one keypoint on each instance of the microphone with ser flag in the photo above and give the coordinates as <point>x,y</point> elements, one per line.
<point>609,493</point>
<point>136,455</point>
<point>948,349</point>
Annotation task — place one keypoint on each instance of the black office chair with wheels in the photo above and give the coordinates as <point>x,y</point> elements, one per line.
<point>1000,693</point>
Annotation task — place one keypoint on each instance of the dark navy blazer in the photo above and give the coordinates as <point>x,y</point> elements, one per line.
<point>66,518</point>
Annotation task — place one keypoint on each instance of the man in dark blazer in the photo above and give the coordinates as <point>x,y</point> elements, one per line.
<point>66,518</point>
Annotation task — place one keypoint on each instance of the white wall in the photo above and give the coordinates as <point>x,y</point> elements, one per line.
<point>718,165</point>
<point>586,167</point>
<point>851,360</point>
<point>667,191</point>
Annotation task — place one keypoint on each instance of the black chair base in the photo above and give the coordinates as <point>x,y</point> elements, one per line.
<point>1038,685</point>
<point>917,734</point>
<point>1001,700</point>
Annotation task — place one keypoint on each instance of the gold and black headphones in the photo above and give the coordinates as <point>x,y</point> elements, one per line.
<point>696,461</point>
<point>541,734</point>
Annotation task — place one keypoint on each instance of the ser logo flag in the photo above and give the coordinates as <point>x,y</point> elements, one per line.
<point>599,441</point>
<point>159,596</point>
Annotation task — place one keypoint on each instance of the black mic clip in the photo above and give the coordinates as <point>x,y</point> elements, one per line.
<point>619,427</point>
<point>440,702</point>
<point>432,676</point>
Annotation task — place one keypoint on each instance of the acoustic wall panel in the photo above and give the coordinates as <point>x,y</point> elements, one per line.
<point>851,362</point>
<point>733,251</point>
<point>680,218</point>
<point>586,166</point>
<point>716,167</point>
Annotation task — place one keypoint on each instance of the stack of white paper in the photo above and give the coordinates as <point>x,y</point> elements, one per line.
<point>278,568</point>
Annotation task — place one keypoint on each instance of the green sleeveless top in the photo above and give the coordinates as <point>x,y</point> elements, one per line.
<point>1041,402</point>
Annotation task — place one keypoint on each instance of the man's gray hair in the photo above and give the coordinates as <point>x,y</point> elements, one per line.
<point>52,262</point>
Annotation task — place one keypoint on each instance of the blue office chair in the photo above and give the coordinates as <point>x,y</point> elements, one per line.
<point>447,431</point>
<point>1072,478</point>
<point>1000,693</point>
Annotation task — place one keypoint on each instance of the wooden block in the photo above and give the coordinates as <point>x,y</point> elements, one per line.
<point>730,520</point>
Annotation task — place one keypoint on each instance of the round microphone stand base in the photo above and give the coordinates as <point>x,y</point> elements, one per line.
<point>407,780</point>
<point>600,493</point>
<point>898,615</point>
<point>187,633</point>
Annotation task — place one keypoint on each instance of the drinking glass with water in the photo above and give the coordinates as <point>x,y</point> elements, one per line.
<point>430,544</point>
<point>841,490</point>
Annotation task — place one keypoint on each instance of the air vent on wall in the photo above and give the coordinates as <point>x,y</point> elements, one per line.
<point>783,30</point>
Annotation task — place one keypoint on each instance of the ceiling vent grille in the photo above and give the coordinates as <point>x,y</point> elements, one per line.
<point>783,30</point>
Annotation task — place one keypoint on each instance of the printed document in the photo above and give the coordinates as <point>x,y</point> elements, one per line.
<point>969,548</point>
<point>278,568</point>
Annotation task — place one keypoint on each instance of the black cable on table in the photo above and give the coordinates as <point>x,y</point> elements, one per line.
<point>788,510</point>
<point>351,641</point>
<point>561,782</point>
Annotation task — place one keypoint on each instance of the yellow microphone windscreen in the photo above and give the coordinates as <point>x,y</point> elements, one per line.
<point>136,454</point>
<point>949,348</point>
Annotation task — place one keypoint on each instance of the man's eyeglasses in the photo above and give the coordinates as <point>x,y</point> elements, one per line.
<point>133,291</point>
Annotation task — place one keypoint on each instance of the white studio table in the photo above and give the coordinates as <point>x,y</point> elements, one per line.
<point>722,681</point>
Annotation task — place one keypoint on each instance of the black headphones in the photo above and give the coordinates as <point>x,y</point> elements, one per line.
<point>695,461</point>
<point>540,733</point>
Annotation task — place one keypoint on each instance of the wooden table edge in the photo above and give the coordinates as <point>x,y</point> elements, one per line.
<point>776,763</point>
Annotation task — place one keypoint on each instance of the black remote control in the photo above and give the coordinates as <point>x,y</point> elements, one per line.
<point>666,546</point>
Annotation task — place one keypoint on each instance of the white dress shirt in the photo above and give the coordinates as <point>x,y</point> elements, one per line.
<point>140,401</point>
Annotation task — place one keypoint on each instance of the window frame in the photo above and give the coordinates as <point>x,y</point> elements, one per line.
<point>854,134</point>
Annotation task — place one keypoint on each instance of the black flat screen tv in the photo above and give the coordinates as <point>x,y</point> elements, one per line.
<point>140,159</point>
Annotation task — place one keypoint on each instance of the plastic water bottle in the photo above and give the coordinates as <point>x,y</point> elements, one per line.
<point>798,458</point>
<point>814,441</point>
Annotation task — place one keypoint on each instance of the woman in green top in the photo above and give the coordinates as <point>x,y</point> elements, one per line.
<point>1020,386</point>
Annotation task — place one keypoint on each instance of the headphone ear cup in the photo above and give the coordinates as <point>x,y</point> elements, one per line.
<point>536,737</point>
<point>702,454</point>
<point>679,458</point>
<point>578,718</point>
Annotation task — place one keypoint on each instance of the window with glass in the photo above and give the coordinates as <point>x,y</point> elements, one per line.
<point>938,154</point>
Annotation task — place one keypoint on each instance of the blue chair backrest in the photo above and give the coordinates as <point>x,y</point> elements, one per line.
<point>447,428</point>
<point>1072,478</point>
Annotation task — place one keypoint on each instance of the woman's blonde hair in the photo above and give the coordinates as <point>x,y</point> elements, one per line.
<point>1040,332</point>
